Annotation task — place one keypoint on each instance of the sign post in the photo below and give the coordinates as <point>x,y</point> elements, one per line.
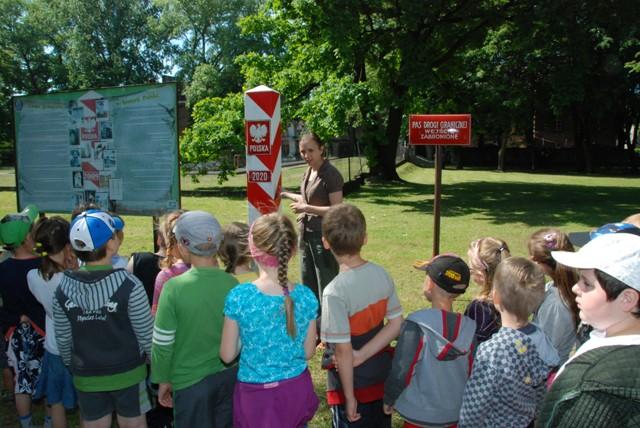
<point>439,130</point>
<point>263,138</point>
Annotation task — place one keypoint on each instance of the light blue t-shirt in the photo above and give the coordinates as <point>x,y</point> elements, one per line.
<point>268,353</point>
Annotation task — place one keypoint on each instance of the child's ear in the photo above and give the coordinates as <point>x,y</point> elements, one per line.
<point>495,296</point>
<point>629,299</point>
<point>113,245</point>
<point>366,239</point>
<point>325,244</point>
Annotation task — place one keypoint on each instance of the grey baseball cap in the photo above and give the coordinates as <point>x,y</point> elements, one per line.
<point>199,232</point>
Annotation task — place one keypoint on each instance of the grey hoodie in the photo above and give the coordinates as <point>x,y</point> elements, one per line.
<point>103,321</point>
<point>430,367</point>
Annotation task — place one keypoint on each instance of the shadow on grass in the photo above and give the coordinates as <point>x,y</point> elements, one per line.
<point>509,202</point>
<point>231,192</point>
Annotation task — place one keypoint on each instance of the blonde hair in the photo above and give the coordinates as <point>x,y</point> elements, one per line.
<point>167,223</point>
<point>520,284</point>
<point>541,243</point>
<point>234,248</point>
<point>484,255</point>
<point>274,234</point>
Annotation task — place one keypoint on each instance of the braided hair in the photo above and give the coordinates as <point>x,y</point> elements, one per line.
<point>275,235</point>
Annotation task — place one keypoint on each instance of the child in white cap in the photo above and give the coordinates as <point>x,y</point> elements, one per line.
<point>103,327</point>
<point>600,385</point>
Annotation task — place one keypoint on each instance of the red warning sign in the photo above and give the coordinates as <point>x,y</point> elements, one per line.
<point>440,129</point>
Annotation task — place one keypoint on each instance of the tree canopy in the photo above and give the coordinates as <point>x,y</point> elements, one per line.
<point>342,65</point>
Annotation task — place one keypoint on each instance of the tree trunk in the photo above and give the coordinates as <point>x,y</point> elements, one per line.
<point>581,141</point>
<point>386,152</point>
<point>502,150</point>
<point>633,143</point>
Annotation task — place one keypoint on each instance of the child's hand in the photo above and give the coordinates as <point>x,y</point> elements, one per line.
<point>387,409</point>
<point>351,409</point>
<point>164,395</point>
<point>358,358</point>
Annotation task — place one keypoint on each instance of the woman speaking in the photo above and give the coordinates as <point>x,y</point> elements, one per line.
<point>321,187</point>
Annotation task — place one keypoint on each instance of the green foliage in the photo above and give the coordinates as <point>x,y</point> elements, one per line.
<point>206,43</point>
<point>217,135</point>
<point>109,42</point>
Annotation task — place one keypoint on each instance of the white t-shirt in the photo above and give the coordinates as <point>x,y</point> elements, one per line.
<point>599,340</point>
<point>44,292</point>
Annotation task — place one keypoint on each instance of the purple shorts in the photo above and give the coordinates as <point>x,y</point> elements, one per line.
<point>289,403</point>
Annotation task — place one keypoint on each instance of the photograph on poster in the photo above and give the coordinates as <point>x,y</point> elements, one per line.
<point>89,196</point>
<point>76,113</point>
<point>98,149</point>
<point>74,158</point>
<point>109,159</point>
<point>104,181</point>
<point>102,200</point>
<point>102,108</point>
<point>106,132</point>
<point>74,137</point>
<point>78,181</point>
<point>77,199</point>
<point>85,149</point>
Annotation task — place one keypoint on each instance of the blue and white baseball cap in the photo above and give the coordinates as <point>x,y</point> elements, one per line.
<point>118,222</point>
<point>582,238</point>
<point>92,229</point>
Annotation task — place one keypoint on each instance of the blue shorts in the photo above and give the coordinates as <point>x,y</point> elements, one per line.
<point>55,382</point>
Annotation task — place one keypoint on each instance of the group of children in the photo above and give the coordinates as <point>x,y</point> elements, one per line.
<point>230,346</point>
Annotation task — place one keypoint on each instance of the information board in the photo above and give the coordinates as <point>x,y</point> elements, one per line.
<point>115,147</point>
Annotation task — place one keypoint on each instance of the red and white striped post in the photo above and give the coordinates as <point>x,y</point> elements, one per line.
<point>264,163</point>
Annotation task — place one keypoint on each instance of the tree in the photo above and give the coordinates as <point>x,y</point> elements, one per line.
<point>587,49</point>
<point>108,42</point>
<point>206,41</point>
<point>382,53</point>
<point>216,134</point>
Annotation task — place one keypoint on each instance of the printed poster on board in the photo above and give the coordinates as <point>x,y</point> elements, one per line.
<point>114,147</point>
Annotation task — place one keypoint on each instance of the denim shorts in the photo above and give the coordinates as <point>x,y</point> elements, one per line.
<point>55,382</point>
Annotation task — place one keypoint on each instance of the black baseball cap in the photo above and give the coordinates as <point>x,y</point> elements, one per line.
<point>448,271</point>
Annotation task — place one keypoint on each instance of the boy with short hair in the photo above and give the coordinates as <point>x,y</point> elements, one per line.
<point>103,327</point>
<point>511,369</point>
<point>434,354</point>
<point>188,329</point>
<point>600,385</point>
<point>355,305</point>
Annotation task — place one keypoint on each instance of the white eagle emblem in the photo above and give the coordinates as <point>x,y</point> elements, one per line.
<point>258,133</point>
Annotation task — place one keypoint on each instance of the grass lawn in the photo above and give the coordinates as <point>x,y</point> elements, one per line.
<point>475,203</point>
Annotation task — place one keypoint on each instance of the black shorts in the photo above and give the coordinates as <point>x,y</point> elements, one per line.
<point>127,402</point>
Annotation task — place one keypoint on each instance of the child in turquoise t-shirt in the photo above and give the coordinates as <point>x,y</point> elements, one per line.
<point>276,322</point>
